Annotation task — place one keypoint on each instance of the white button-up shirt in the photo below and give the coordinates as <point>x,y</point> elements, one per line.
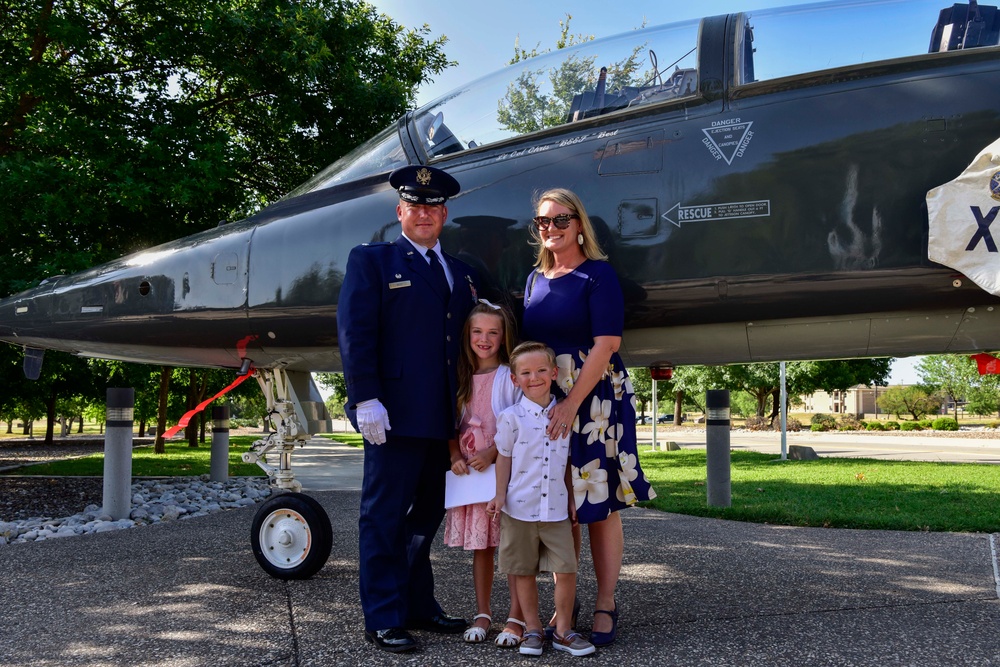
<point>437,251</point>
<point>537,489</point>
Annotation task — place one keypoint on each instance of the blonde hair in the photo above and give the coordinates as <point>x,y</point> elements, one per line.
<point>528,347</point>
<point>467,360</point>
<point>544,259</point>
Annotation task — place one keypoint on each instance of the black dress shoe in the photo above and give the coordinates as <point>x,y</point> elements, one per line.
<point>394,640</point>
<point>443,623</point>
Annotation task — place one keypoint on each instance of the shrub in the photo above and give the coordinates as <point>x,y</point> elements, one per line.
<point>993,425</point>
<point>925,423</point>
<point>850,423</point>
<point>944,424</point>
<point>240,422</point>
<point>875,426</point>
<point>791,425</point>
<point>816,427</point>
<point>892,426</point>
<point>825,422</point>
<point>756,423</point>
<point>911,426</point>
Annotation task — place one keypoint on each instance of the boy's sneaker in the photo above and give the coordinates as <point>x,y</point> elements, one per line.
<point>573,643</point>
<point>532,644</point>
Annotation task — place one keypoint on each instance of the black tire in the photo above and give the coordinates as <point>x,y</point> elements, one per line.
<point>291,536</point>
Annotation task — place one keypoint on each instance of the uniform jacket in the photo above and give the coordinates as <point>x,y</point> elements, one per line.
<point>399,336</point>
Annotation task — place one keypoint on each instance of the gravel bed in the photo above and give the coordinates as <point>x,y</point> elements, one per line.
<point>25,496</point>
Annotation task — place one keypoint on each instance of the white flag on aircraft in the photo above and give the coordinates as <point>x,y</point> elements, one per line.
<point>961,214</point>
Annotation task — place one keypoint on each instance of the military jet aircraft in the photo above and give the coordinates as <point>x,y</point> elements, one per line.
<point>758,181</point>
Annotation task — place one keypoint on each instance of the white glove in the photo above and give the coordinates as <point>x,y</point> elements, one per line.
<point>373,421</point>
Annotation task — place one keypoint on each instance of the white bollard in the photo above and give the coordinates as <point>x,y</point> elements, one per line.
<point>118,453</point>
<point>719,480</point>
<point>219,469</point>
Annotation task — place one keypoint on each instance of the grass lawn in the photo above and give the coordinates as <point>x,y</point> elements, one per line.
<point>178,461</point>
<point>833,492</point>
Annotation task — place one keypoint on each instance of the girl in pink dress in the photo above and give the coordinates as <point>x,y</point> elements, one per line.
<point>484,389</point>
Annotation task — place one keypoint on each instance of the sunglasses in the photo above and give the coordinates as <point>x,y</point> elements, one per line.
<point>560,221</point>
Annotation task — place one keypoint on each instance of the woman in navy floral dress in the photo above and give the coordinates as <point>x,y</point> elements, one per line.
<point>573,303</point>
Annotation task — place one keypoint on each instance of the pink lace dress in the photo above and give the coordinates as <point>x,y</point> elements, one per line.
<point>469,526</point>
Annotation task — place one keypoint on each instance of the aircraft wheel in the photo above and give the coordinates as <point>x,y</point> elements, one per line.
<point>291,536</point>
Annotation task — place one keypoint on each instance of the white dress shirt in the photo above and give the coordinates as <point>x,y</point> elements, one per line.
<point>537,489</point>
<point>440,254</point>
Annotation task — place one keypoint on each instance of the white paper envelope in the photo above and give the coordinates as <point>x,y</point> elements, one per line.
<point>476,487</point>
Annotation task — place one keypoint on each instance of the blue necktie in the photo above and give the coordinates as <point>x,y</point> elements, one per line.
<point>438,271</point>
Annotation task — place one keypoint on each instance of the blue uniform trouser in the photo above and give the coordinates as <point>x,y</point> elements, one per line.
<point>402,505</point>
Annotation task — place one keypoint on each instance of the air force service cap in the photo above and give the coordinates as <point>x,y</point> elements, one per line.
<point>418,184</point>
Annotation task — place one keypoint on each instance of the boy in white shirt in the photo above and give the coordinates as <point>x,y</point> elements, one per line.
<point>535,493</point>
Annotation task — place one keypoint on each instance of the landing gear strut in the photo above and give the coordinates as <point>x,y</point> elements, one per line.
<point>291,534</point>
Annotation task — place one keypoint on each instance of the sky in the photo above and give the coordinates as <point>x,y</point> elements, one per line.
<point>481,38</point>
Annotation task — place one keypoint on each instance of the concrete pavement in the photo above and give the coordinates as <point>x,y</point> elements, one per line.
<point>693,592</point>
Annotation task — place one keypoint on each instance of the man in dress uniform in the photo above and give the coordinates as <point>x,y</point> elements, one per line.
<point>399,320</point>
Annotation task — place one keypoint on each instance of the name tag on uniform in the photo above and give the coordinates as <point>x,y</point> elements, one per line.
<point>401,283</point>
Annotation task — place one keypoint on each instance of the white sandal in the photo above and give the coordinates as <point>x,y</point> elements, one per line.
<point>508,639</point>
<point>475,634</point>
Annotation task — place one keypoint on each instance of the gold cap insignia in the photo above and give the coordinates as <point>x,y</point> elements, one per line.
<point>424,176</point>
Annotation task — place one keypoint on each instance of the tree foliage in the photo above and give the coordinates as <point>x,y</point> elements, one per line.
<point>338,384</point>
<point>127,124</point>
<point>762,381</point>
<point>541,98</point>
<point>642,387</point>
<point>915,401</point>
<point>953,375</point>
<point>957,377</point>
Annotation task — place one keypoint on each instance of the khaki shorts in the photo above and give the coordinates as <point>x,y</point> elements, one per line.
<point>530,547</point>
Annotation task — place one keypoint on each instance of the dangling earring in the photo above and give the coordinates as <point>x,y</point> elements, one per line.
<point>579,238</point>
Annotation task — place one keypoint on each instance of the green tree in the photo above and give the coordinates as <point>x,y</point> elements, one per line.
<point>248,402</point>
<point>915,401</point>
<point>128,124</point>
<point>762,381</point>
<point>124,125</point>
<point>842,374</point>
<point>983,397</point>
<point>742,404</point>
<point>954,375</point>
<point>336,383</point>
<point>144,379</point>
<point>541,98</point>
<point>691,382</point>
<point>642,386</point>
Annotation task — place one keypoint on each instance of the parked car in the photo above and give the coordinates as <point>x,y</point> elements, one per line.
<point>669,419</point>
